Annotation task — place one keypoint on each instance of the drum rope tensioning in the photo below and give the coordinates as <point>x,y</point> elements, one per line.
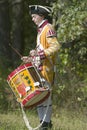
<point>26,90</point>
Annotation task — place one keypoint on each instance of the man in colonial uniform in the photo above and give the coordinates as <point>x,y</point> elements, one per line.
<point>47,48</point>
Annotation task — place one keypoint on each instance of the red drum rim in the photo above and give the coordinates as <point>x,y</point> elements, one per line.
<point>37,92</point>
<point>20,68</point>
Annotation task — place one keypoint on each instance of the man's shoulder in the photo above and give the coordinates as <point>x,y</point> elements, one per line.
<point>50,31</point>
<point>49,26</point>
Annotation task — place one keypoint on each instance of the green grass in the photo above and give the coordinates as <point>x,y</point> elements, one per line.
<point>62,120</point>
<point>69,120</point>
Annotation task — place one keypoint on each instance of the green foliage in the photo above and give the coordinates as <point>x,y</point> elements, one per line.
<point>71,25</point>
<point>3,86</point>
<point>70,17</point>
<point>7,99</point>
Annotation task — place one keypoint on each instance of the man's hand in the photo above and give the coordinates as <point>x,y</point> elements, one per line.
<point>33,53</point>
<point>26,59</point>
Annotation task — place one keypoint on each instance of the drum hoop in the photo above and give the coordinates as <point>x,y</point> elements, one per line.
<point>30,97</point>
<point>18,70</point>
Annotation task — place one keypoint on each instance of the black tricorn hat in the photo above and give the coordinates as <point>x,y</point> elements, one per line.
<point>39,9</point>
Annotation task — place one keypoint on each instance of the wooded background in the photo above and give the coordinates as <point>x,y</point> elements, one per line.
<point>17,29</point>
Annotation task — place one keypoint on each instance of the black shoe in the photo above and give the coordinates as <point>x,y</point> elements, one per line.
<point>46,125</point>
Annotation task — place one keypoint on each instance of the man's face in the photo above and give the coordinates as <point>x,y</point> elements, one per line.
<point>37,19</point>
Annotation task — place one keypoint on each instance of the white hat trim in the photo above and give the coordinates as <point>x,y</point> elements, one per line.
<point>41,7</point>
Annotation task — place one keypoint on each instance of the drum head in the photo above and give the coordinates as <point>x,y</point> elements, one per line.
<point>35,98</point>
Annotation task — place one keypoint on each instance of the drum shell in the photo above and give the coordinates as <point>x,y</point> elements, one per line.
<point>26,85</point>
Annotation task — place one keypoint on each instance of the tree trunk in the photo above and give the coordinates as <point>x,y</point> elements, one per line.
<point>17,30</point>
<point>4,33</point>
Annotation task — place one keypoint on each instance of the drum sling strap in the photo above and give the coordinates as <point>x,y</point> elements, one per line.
<point>27,123</point>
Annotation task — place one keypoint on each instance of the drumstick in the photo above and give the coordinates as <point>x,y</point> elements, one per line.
<point>15,50</point>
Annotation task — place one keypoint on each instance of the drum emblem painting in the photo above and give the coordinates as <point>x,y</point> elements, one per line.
<point>26,83</point>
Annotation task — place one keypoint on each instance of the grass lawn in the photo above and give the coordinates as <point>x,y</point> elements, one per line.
<point>62,119</point>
